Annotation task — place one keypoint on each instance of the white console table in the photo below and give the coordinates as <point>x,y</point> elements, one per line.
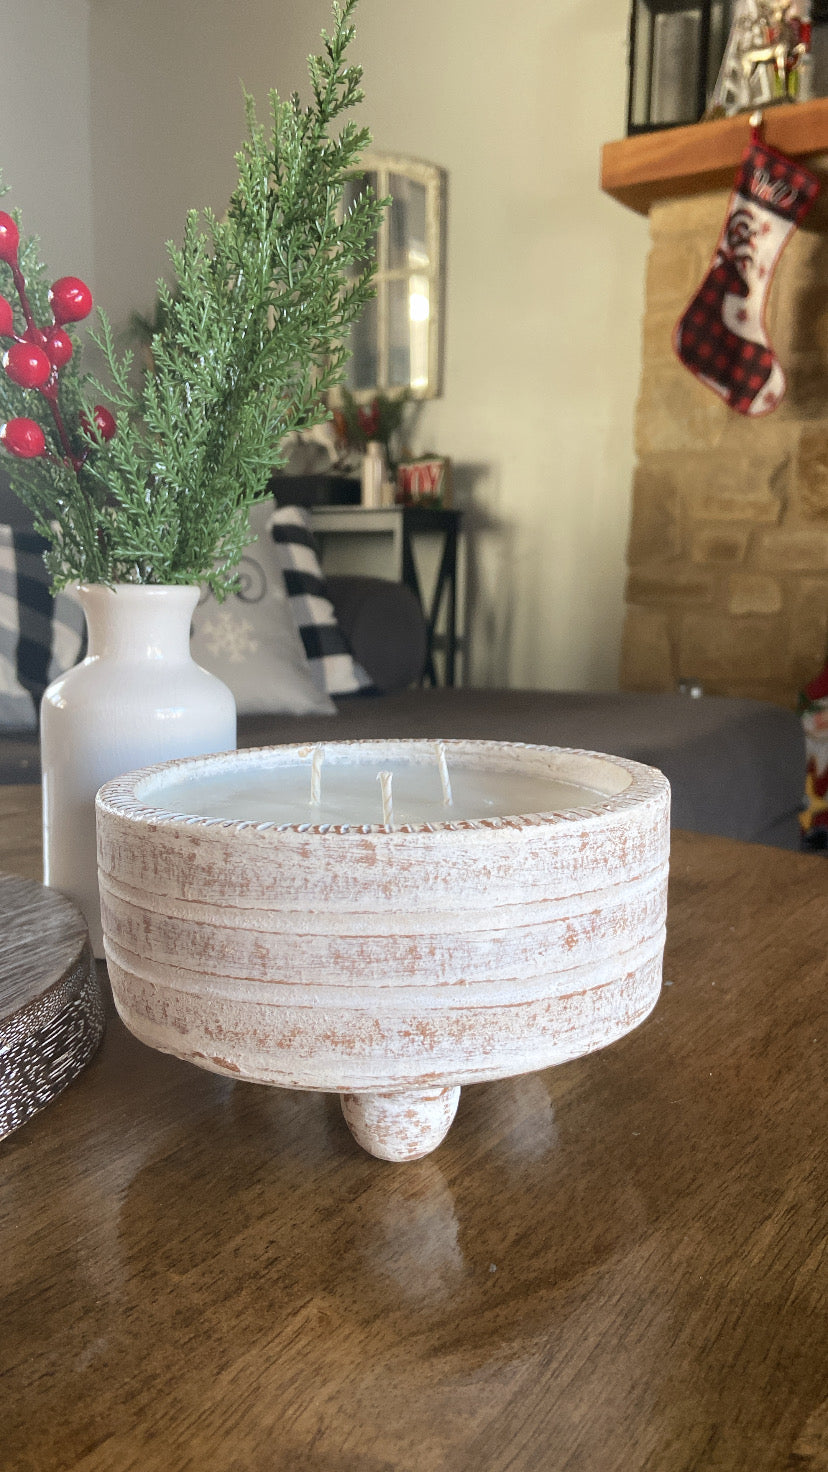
<point>402,527</point>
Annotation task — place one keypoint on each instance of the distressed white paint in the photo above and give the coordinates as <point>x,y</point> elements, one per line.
<point>387,963</point>
<point>402,1126</point>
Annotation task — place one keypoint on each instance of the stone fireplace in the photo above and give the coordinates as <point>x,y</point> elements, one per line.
<point>728,545</point>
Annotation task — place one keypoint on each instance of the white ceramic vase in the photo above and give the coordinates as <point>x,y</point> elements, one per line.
<point>138,698</point>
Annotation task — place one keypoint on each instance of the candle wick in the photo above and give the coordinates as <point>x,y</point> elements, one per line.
<point>384,780</point>
<point>448,800</point>
<point>317,757</point>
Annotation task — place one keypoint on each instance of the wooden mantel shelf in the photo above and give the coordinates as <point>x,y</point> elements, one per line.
<point>648,167</point>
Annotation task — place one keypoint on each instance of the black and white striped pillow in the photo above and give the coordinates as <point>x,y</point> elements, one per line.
<point>40,636</point>
<point>332,665</point>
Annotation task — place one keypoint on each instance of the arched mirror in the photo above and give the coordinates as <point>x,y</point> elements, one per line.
<point>397,342</point>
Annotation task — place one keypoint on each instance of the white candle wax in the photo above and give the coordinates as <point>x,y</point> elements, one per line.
<point>317,758</point>
<point>445,780</point>
<point>278,792</point>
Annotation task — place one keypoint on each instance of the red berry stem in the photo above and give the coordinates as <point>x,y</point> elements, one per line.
<point>48,390</point>
<point>35,334</point>
<point>50,394</point>
<point>71,301</point>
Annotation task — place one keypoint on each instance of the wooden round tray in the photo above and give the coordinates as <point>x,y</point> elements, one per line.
<point>51,1013</point>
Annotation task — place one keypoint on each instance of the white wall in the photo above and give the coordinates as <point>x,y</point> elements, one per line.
<point>545,275</point>
<point>45,98</point>
<point>45,146</point>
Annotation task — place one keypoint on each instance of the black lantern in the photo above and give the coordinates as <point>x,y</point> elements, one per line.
<point>676,49</point>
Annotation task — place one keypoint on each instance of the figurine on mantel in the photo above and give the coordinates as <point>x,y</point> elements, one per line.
<point>767,57</point>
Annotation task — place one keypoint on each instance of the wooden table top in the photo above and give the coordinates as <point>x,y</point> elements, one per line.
<point>615,1264</point>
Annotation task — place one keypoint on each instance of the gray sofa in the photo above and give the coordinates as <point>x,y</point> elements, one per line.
<point>737,767</point>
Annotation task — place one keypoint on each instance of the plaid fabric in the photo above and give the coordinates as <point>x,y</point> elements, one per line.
<point>333,667</point>
<point>40,636</point>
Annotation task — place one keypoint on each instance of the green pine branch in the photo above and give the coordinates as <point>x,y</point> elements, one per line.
<point>251,336</point>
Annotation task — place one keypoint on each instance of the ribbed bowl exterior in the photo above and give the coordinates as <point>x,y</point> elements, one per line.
<point>363,959</point>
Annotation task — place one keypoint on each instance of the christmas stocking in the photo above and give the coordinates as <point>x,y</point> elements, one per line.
<point>721,337</point>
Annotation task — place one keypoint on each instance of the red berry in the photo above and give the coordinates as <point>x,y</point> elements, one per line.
<point>104,423</point>
<point>27,365</point>
<point>6,318</point>
<point>9,239</point>
<point>70,300</point>
<point>23,437</point>
<point>58,346</point>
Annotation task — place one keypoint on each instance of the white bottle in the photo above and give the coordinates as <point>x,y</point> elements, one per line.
<point>373,473</point>
<point>137,698</point>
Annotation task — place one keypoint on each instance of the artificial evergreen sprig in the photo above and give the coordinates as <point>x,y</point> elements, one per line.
<point>252,336</point>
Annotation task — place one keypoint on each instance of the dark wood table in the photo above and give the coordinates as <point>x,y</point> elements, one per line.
<point>616,1264</point>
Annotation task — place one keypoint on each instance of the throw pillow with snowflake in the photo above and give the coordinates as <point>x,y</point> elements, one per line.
<point>251,641</point>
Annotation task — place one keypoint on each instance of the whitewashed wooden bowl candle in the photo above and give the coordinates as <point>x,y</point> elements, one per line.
<point>265,917</point>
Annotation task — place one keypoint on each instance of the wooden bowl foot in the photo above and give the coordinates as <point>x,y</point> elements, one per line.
<point>403,1125</point>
